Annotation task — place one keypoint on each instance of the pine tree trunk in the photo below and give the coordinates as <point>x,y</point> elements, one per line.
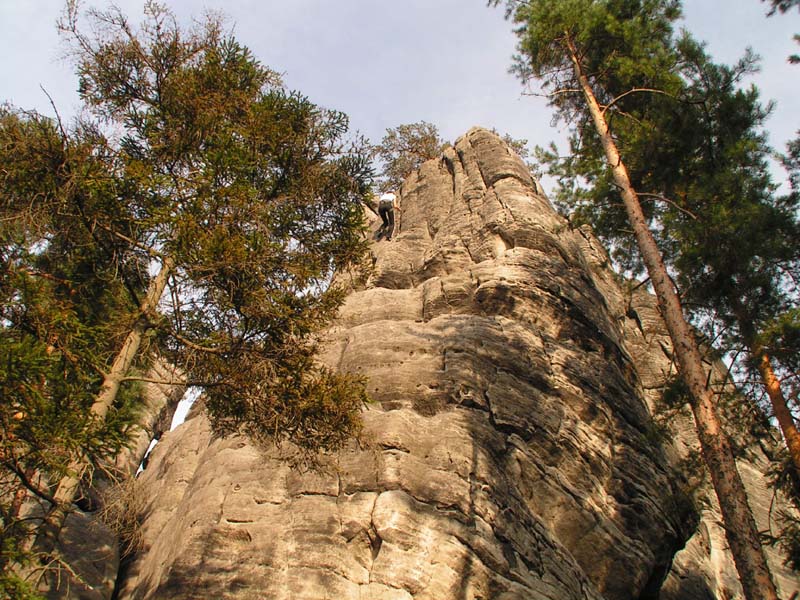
<point>779,407</point>
<point>67,488</point>
<point>759,356</point>
<point>740,527</point>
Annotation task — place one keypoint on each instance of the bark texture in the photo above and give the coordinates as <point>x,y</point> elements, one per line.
<point>780,408</point>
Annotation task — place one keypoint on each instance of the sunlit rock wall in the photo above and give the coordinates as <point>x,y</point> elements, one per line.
<point>509,452</point>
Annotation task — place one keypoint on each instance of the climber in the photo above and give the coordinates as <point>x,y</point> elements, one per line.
<point>386,207</point>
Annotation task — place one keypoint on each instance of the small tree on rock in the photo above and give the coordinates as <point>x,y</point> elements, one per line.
<point>403,149</point>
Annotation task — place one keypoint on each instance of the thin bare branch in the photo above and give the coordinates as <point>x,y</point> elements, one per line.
<point>184,382</point>
<point>148,249</point>
<point>195,346</point>
<point>635,91</point>
<point>627,115</point>
<point>670,202</point>
<point>11,465</point>
<point>55,110</point>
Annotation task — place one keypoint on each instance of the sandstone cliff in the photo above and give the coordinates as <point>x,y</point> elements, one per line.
<point>90,546</point>
<point>509,453</point>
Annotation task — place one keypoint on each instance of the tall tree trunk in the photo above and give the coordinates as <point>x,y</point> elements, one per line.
<point>779,406</point>
<point>67,488</point>
<point>740,527</point>
<point>759,355</point>
<point>772,385</point>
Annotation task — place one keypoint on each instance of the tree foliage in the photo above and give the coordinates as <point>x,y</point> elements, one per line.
<point>655,122</point>
<point>63,311</point>
<point>403,149</point>
<point>782,5</point>
<point>192,168</point>
<point>251,190</point>
<point>698,157</point>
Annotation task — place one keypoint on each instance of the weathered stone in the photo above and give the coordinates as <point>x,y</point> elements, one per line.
<point>93,559</point>
<point>87,555</point>
<point>509,452</point>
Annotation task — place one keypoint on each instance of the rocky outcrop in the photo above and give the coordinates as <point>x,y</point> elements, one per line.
<point>91,547</point>
<point>509,453</point>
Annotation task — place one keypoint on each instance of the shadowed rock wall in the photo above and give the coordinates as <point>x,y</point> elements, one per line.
<point>509,453</point>
<point>90,547</point>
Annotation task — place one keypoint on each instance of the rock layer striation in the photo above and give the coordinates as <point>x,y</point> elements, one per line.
<point>509,453</point>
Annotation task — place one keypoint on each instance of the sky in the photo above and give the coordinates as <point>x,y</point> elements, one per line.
<point>386,63</point>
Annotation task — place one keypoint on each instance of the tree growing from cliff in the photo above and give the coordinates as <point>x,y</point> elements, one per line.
<point>591,56</point>
<point>403,149</point>
<point>63,310</point>
<point>210,208</point>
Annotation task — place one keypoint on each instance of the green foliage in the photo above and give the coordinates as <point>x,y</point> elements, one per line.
<point>620,43</point>
<point>252,190</point>
<point>791,162</point>
<point>785,479</point>
<point>691,144</point>
<point>784,6</point>
<point>781,338</point>
<point>63,309</point>
<point>675,394</point>
<point>700,161</point>
<point>12,587</point>
<point>789,540</point>
<point>192,159</point>
<point>403,149</point>
<point>320,411</point>
<point>12,555</point>
<point>694,150</point>
<point>625,50</point>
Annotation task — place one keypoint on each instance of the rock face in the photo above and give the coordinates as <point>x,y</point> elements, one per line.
<point>509,453</point>
<point>90,547</point>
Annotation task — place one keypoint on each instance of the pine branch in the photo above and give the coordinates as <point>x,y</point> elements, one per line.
<point>671,203</point>
<point>13,466</point>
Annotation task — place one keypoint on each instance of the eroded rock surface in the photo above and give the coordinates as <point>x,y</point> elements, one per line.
<point>89,545</point>
<point>509,453</point>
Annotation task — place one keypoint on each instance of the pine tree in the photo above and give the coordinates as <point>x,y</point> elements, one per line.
<point>728,239</point>
<point>591,57</point>
<point>198,213</point>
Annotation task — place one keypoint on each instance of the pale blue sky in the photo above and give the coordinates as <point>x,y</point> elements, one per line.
<point>385,62</point>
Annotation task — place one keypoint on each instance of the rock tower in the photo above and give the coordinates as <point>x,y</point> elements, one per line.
<point>509,453</point>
